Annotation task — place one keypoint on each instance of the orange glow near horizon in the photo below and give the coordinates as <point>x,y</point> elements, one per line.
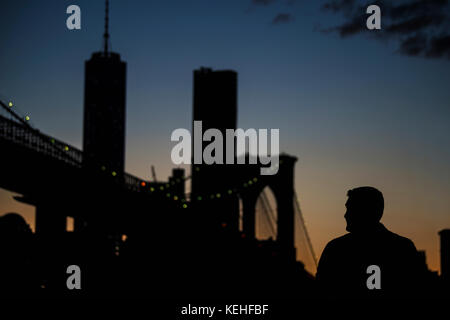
<point>414,207</point>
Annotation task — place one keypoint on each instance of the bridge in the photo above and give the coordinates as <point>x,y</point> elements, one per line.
<point>49,174</point>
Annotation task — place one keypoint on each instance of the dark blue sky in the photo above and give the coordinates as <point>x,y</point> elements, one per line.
<point>353,110</point>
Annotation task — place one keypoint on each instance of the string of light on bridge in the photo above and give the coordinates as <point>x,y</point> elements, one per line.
<point>184,200</point>
<point>11,105</point>
<point>27,118</point>
<point>155,188</point>
<point>159,189</point>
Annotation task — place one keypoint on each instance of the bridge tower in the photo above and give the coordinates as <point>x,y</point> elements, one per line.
<point>282,186</point>
<point>104,109</point>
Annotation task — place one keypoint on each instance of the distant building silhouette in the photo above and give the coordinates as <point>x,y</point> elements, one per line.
<point>104,110</point>
<point>217,189</point>
<point>104,116</point>
<point>215,98</point>
<point>423,258</point>
<point>215,104</point>
<point>445,254</point>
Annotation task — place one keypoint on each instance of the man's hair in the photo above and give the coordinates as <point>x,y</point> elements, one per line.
<point>368,198</point>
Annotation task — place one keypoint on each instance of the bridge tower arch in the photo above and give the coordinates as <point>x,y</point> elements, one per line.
<point>282,186</point>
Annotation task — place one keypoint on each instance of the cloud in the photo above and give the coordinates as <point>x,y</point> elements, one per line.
<point>262,2</point>
<point>339,5</point>
<point>282,18</point>
<point>439,47</point>
<point>348,28</point>
<point>268,2</point>
<point>419,28</point>
<point>413,46</point>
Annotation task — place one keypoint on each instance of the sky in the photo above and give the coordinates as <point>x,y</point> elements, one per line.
<point>354,109</point>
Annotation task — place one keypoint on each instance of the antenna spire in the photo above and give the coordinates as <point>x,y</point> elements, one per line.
<point>106,34</point>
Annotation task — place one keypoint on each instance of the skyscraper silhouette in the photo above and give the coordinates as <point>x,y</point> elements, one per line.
<point>215,104</point>
<point>445,254</point>
<point>104,110</point>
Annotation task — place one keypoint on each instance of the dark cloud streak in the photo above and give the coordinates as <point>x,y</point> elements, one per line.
<point>282,18</point>
<point>262,2</point>
<point>269,2</point>
<point>419,27</point>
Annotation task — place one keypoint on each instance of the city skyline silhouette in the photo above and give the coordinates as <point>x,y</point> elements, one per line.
<point>308,181</point>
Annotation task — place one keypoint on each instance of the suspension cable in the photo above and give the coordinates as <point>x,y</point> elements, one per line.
<point>302,221</point>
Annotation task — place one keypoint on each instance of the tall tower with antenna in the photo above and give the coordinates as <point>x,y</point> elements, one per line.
<point>104,109</point>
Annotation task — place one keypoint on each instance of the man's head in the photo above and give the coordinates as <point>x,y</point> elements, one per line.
<point>365,207</point>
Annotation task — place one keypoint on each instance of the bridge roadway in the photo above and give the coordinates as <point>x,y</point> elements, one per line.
<point>49,175</point>
<point>162,238</point>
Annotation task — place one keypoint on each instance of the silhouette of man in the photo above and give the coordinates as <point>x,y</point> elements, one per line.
<point>343,267</point>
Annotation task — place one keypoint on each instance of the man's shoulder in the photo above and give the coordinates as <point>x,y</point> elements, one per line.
<point>389,236</point>
<point>399,240</point>
<point>340,241</point>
